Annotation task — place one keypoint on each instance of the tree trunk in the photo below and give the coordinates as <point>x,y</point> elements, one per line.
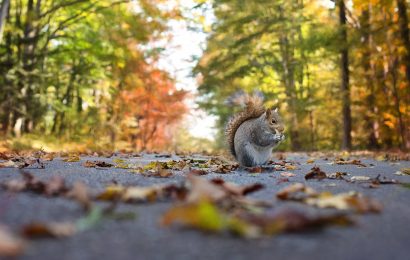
<point>288,78</point>
<point>404,33</point>
<point>368,75</point>
<point>3,13</point>
<point>402,130</point>
<point>344,53</point>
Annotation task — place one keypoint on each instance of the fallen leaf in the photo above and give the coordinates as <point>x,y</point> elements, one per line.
<point>405,171</point>
<point>206,216</point>
<point>291,167</point>
<point>49,230</point>
<point>337,175</point>
<point>8,164</point>
<point>345,201</point>
<point>10,245</point>
<point>256,169</point>
<point>399,173</point>
<point>289,219</point>
<point>315,173</point>
<point>287,174</point>
<point>47,157</point>
<point>354,162</point>
<point>237,190</point>
<point>296,191</point>
<point>360,178</point>
<point>282,180</point>
<point>203,215</point>
<point>94,164</point>
<point>21,162</point>
<point>198,172</point>
<point>142,194</point>
<point>310,161</point>
<point>129,194</point>
<point>79,192</point>
<point>53,187</point>
<point>72,158</point>
<point>203,190</point>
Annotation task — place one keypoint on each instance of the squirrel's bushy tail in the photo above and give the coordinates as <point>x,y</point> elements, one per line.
<point>253,109</point>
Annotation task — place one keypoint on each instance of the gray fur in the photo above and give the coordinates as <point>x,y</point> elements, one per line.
<point>254,141</point>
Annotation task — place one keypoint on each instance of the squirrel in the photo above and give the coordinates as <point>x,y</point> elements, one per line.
<point>253,133</point>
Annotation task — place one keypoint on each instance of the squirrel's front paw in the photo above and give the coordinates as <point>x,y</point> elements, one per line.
<point>279,137</point>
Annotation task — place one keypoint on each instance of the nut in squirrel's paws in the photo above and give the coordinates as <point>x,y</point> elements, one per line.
<point>279,137</point>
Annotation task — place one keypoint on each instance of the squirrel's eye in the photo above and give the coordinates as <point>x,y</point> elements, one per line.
<point>273,121</point>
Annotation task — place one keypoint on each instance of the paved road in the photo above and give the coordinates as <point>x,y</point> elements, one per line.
<point>376,236</point>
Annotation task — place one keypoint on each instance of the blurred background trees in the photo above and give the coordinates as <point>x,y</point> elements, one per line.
<point>338,70</point>
<point>72,68</point>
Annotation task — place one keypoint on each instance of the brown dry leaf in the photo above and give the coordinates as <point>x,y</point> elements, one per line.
<point>72,158</point>
<point>8,164</point>
<point>288,219</point>
<point>161,173</point>
<point>158,169</point>
<point>291,167</point>
<point>10,245</point>
<point>5,156</point>
<point>345,201</point>
<point>47,230</point>
<point>315,173</point>
<point>129,194</point>
<point>53,187</point>
<point>310,161</point>
<point>237,190</point>
<point>287,174</point>
<point>208,217</point>
<point>282,180</point>
<point>203,190</point>
<point>354,162</point>
<point>296,191</point>
<point>198,172</point>
<point>337,175</point>
<point>405,170</point>
<point>79,192</point>
<point>94,164</point>
<point>48,157</point>
<point>256,169</point>
<point>224,168</point>
<point>21,162</point>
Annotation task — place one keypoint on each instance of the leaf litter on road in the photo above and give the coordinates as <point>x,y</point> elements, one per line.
<point>352,201</point>
<point>216,206</point>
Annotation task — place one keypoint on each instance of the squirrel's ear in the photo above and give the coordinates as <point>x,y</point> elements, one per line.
<point>274,109</point>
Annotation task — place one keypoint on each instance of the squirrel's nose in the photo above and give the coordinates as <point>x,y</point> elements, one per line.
<point>281,129</point>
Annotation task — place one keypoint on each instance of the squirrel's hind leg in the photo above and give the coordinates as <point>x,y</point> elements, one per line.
<point>246,155</point>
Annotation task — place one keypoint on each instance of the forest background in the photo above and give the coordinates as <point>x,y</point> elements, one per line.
<point>85,74</point>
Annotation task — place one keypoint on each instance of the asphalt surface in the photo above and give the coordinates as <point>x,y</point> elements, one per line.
<point>375,236</point>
